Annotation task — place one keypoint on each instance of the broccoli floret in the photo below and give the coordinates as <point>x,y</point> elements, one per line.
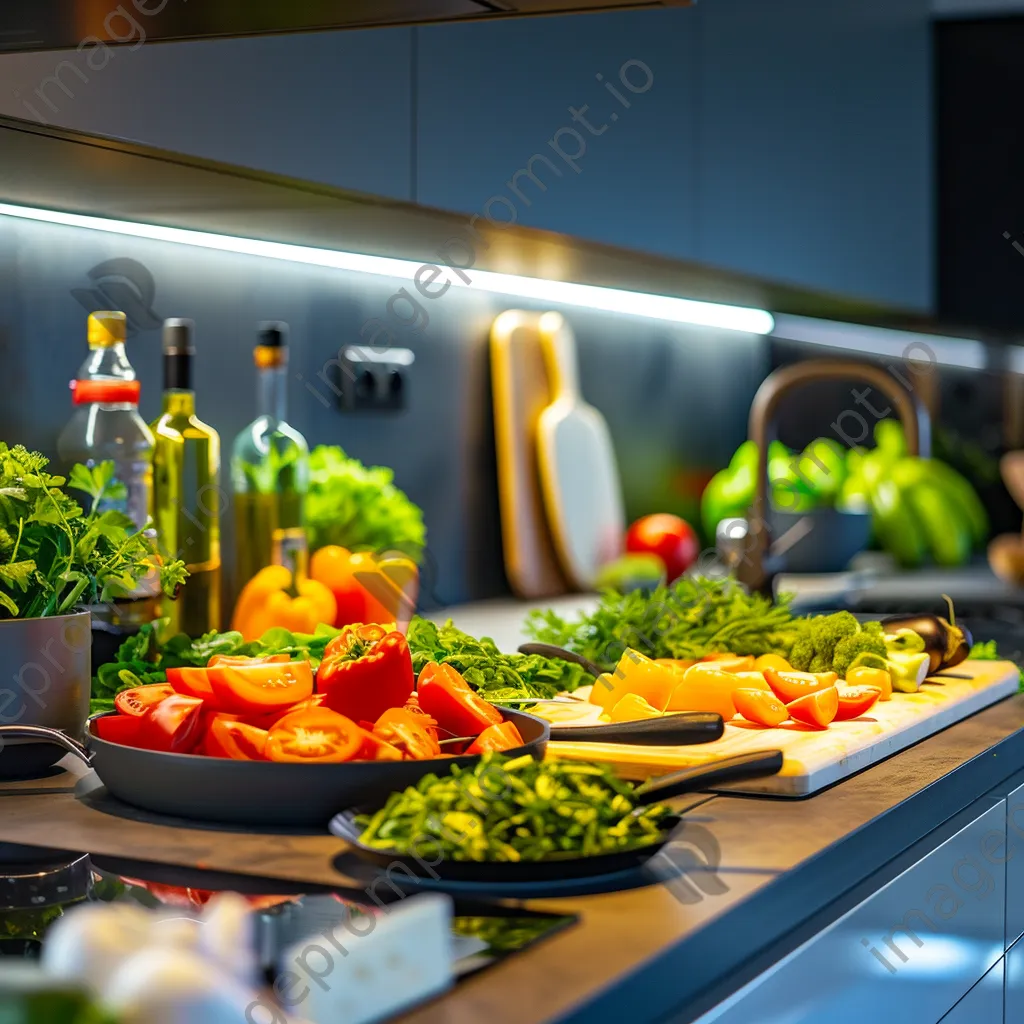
<point>814,651</point>
<point>801,654</point>
<point>851,647</point>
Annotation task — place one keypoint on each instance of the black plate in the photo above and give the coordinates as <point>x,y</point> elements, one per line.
<point>756,764</point>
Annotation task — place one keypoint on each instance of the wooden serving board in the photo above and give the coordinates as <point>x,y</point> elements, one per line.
<point>817,758</point>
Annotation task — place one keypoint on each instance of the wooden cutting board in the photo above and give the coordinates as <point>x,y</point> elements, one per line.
<point>519,381</point>
<point>578,474</point>
<point>817,758</point>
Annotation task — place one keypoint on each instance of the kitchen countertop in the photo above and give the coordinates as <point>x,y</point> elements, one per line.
<point>641,953</point>
<point>784,867</point>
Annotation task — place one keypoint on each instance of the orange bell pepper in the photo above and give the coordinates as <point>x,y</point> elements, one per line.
<point>367,589</point>
<point>269,599</point>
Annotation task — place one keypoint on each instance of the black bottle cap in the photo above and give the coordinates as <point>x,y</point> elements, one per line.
<point>273,335</point>
<point>179,338</point>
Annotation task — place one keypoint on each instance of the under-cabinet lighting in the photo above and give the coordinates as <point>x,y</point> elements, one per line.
<point>610,300</point>
<point>909,346</point>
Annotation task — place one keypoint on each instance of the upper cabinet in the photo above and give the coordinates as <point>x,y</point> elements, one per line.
<point>332,107</point>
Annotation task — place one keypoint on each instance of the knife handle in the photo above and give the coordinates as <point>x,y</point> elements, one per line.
<point>668,731</point>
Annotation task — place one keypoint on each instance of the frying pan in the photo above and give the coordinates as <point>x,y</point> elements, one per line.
<point>564,866</point>
<point>267,793</point>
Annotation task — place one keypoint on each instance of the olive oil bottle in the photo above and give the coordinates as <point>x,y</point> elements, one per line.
<point>270,470</point>
<point>186,489</point>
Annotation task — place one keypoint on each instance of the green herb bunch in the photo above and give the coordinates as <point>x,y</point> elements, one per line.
<point>497,676</point>
<point>359,507</point>
<point>686,619</point>
<point>54,555</point>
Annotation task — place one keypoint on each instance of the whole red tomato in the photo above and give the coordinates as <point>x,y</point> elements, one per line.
<point>672,539</point>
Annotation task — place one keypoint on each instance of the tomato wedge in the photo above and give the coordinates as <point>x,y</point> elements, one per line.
<point>408,733</point>
<point>260,688</point>
<point>495,738</point>
<point>241,659</point>
<point>192,682</point>
<point>452,703</point>
<point>816,709</point>
<point>174,725</point>
<point>761,707</point>
<point>123,729</point>
<point>315,736</point>
<point>236,740</point>
<point>376,748</point>
<point>268,719</point>
<point>790,686</point>
<point>855,700</point>
<point>140,699</point>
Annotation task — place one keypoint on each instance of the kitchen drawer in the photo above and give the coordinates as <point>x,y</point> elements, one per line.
<point>983,1004</point>
<point>1014,866</point>
<point>908,953</point>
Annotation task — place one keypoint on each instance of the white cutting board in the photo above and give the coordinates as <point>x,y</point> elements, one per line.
<point>815,758</point>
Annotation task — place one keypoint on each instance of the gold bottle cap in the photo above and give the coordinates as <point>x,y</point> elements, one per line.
<point>107,328</point>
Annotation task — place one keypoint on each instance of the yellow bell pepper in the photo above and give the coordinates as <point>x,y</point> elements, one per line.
<point>269,599</point>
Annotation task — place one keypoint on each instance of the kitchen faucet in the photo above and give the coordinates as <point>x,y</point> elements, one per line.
<point>751,558</point>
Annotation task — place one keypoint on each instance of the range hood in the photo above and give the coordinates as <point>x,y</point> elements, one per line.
<point>66,24</point>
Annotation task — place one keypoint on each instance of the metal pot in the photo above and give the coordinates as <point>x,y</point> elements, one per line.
<point>45,679</point>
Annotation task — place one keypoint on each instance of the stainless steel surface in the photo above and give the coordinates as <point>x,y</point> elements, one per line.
<point>63,24</point>
<point>47,668</point>
<point>42,734</point>
<point>752,568</point>
<point>984,1004</point>
<point>907,953</point>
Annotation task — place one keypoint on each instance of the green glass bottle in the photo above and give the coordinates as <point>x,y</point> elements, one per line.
<point>186,489</point>
<point>270,470</point>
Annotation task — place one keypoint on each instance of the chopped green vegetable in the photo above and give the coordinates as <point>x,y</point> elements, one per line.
<point>143,659</point>
<point>55,557</point>
<point>359,507</point>
<point>687,619</point>
<point>517,809</point>
<point>494,674</point>
<point>987,651</point>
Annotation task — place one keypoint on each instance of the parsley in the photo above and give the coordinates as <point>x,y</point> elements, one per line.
<point>56,557</point>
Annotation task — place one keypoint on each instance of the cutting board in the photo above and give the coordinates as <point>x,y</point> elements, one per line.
<point>519,381</point>
<point>579,478</point>
<point>817,758</point>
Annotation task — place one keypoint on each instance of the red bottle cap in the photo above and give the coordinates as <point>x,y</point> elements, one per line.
<point>107,392</point>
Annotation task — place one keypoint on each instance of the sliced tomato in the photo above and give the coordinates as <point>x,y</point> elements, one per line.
<point>761,707</point>
<point>236,740</point>
<point>123,729</point>
<point>140,699</point>
<point>496,738</point>
<point>268,719</point>
<point>174,725</point>
<point>790,686</point>
<point>816,709</point>
<point>854,701</point>
<point>241,659</point>
<point>406,731</point>
<point>376,748</point>
<point>452,703</point>
<point>261,688</point>
<point>315,736</point>
<point>193,682</point>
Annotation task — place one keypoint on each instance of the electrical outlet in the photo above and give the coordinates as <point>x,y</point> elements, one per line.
<point>372,381</point>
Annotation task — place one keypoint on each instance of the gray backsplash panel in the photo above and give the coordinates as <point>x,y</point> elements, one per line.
<point>675,397</point>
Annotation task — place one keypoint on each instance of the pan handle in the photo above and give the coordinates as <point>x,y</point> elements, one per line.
<point>551,651</point>
<point>756,764</point>
<point>43,734</point>
<point>669,730</point>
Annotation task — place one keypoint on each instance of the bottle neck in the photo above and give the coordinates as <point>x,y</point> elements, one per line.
<point>180,403</point>
<point>272,393</point>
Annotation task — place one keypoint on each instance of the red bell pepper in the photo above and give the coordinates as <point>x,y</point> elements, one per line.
<point>365,671</point>
<point>456,707</point>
